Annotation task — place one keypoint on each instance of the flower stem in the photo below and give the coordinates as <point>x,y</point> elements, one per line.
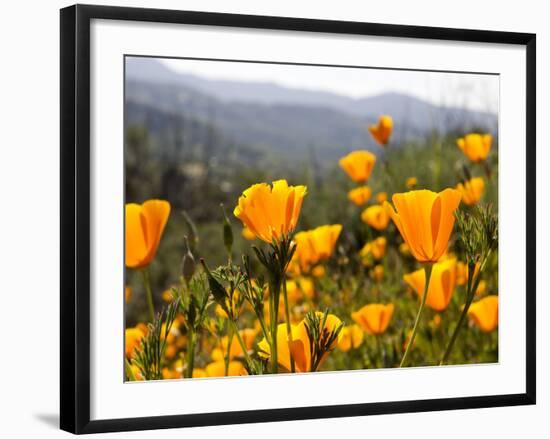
<point>129,372</point>
<point>228,353</point>
<point>190,353</point>
<point>273,323</point>
<point>472,288</point>
<point>379,351</point>
<point>243,346</point>
<point>419,314</point>
<point>288,327</point>
<point>148,293</point>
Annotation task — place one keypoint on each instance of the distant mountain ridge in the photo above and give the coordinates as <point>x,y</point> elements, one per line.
<point>408,109</point>
<point>285,120</point>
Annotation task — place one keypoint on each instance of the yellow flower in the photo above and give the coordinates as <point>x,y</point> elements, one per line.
<point>377,273</point>
<point>481,288</point>
<point>404,249</point>
<point>314,246</point>
<point>217,369</point>
<point>167,295</point>
<point>137,372</point>
<point>381,197</point>
<point>300,346</point>
<point>376,216</point>
<point>318,271</point>
<point>471,190</point>
<point>376,248</point>
<point>442,284</point>
<point>484,313</point>
<point>462,272</point>
<point>132,339</point>
<point>248,234</point>
<point>144,227</point>
<point>475,146</point>
<point>374,318</point>
<point>411,182</point>
<point>381,133</point>
<point>360,195</point>
<point>436,321</point>
<point>199,373</point>
<point>358,165</point>
<point>270,213</point>
<point>352,337</point>
<point>248,336</point>
<point>425,220</point>
<point>299,288</point>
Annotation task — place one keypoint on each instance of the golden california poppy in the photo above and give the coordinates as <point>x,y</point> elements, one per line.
<point>376,216</point>
<point>484,313</point>
<point>248,336</point>
<point>144,227</point>
<point>360,195</point>
<point>411,182</point>
<point>462,272</point>
<point>300,288</point>
<point>442,284</point>
<point>132,339</point>
<point>425,220</point>
<point>382,131</point>
<point>314,246</point>
<point>270,212</point>
<point>381,197</point>
<point>352,337</point>
<point>217,369</point>
<point>300,346</point>
<point>377,273</point>
<point>358,165</point>
<point>376,248</point>
<point>471,190</point>
<point>475,146</point>
<point>374,318</point>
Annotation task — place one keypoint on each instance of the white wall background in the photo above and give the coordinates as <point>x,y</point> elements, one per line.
<point>29,216</point>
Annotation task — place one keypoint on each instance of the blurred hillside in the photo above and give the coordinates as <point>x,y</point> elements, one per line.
<point>284,120</point>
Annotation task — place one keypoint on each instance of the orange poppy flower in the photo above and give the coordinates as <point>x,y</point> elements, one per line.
<point>374,318</point>
<point>475,146</point>
<point>471,190</point>
<point>144,227</point>
<point>425,220</point>
<point>270,212</point>
<point>484,313</point>
<point>358,165</point>
<point>382,131</point>
<point>442,284</point>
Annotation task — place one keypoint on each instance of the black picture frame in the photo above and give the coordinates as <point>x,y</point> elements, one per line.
<point>75,217</point>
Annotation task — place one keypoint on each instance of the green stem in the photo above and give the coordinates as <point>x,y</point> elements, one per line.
<point>273,312</point>
<point>419,314</point>
<point>379,351</point>
<point>243,346</point>
<point>190,353</point>
<point>228,353</point>
<point>148,293</point>
<point>129,371</point>
<point>470,294</point>
<point>288,327</point>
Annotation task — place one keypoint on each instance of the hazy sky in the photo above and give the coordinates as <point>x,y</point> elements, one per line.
<point>476,92</point>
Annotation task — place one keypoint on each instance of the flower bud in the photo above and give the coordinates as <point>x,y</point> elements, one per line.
<point>188,263</point>
<point>227,232</point>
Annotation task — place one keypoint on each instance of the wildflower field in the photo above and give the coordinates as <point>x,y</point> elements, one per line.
<point>381,259</point>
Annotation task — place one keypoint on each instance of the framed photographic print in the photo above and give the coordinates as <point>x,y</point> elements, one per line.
<point>285,218</point>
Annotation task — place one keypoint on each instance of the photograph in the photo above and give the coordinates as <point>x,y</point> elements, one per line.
<point>288,218</point>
